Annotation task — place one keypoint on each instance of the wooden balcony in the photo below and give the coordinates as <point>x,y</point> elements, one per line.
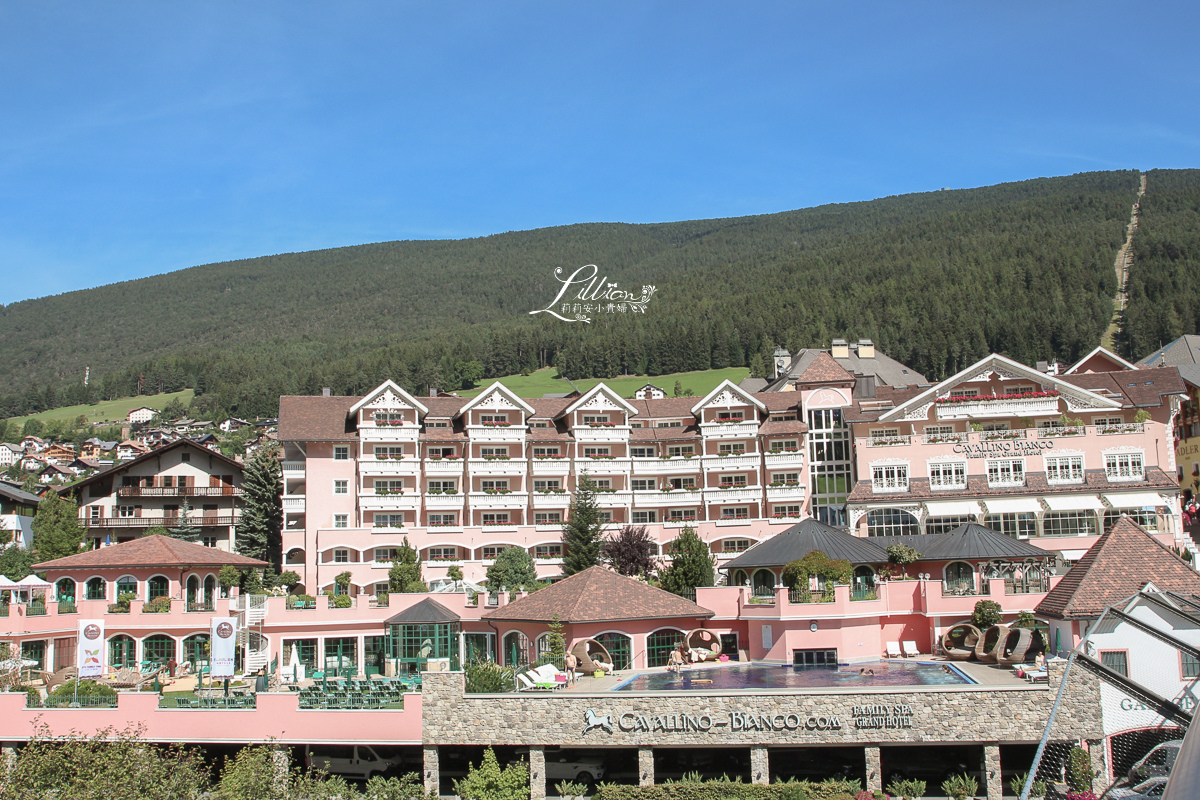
<point>179,491</point>
<point>200,521</point>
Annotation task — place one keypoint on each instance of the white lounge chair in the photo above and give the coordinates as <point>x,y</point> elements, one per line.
<point>910,649</point>
<point>893,650</point>
<point>531,685</point>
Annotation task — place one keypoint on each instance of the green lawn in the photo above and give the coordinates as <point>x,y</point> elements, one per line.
<point>111,410</point>
<point>546,381</point>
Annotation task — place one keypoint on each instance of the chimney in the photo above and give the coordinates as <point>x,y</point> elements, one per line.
<point>433,392</point>
<point>1043,367</point>
<point>864,387</point>
<point>326,391</point>
<point>866,348</point>
<point>840,349</point>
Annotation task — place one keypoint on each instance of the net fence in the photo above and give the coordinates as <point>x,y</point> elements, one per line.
<point>1123,706</point>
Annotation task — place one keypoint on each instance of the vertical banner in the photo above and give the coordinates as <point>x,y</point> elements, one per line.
<point>223,644</point>
<point>89,653</point>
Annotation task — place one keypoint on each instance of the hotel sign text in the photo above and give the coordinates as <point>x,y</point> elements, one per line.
<point>898,716</point>
<point>1004,447</point>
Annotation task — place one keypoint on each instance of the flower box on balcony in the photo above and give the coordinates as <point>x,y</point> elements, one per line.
<point>602,424</point>
<point>601,457</point>
<point>497,491</point>
<point>786,516</point>
<point>778,484</point>
<point>1071,430</point>
<point>387,492</point>
<point>496,458</point>
<point>991,436</point>
<point>550,457</point>
<point>497,424</point>
<point>996,397</point>
<point>774,451</point>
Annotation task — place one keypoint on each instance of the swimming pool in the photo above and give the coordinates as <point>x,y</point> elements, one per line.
<point>773,676</point>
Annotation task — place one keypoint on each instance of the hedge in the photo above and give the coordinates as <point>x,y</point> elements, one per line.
<point>731,790</point>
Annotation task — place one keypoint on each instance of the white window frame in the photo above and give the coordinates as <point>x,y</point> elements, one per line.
<point>1064,468</point>
<point>642,484</point>
<point>1125,465</point>
<point>341,486</point>
<point>341,555</point>
<point>341,452</point>
<point>1005,472</point>
<point>546,451</point>
<point>733,448</point>
<point>341,520</point>
<point>644,517</point>
<point>502,451</point>
<point>735,512</point>
<point>546,484</point>
<point>496,518</point>
<point>495,484</point>
<point>679,450</point>
<point>443,518</point>
<point>547,518</point>
<point>597,451</point>
<point>890,476</point>
<point>641,452</point>
<point>944,475</point>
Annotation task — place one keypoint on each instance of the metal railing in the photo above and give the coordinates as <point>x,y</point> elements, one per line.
<point>83,701</point>
<point>800,596</point>
<point>208,702</point>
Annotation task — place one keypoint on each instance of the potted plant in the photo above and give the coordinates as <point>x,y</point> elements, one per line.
<point>1036,790</point>
<point>906,789</point>
<point>960,787</point>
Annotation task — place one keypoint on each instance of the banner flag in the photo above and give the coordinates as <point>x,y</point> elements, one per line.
<point>89,653</point>
<point>223,643</point>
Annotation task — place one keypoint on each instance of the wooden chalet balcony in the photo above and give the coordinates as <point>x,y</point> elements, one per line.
<point>200,521</point>
<point>179,491</point>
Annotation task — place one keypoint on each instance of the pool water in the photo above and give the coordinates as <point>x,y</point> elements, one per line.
<point>773,676</point>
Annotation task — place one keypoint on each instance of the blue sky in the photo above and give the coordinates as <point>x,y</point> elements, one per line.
<point>141,138</point>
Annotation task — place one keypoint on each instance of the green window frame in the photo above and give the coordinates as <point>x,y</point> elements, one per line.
<point>306,650</point>
<point>660,644</point>
<point>158,586</point>
<point>194,650</point>
<point>158,648</point>
<point>35,651</point>
<point>620,647</point>
<point>122,652</point>
<point>341,656</point>
<point>95,589</point>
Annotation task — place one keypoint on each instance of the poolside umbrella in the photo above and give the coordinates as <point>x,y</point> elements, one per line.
<point>293,663</point>
<point>1058,640</point>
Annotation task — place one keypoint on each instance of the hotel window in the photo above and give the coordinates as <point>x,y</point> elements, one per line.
<point>1018,388</point>
<point>1006,472</point>
<point>735,480</point>
<point>1064,469</point>
<point>1116,660</point>
<point>168,481</point>
<point>1190,666</point>
<point>732,448</point>
<point>438,424</point>
<point>964,392</point>
<point>1069,523</point>
<point>735,545</point>
<point>681,514</point>
<point>785,477</point>
<point>128,511</point>
<point>680,450</point>
<point>484,452</point>
<point>95,589</point>
<point>341,556</point>
<point>545,451</point>
<point>391,452</point>
<point>385,554</point>
<point>644,517</point>
<point>443,486</point>
<point>948,475</point>
<point>389,486</point>
<point>545,485</point>
<point>596,451</point>
<point>341,520</point>
<point>588,419</point>
<point>443,519</point>
<point>938,430</point>
<point>541,423</point>
<point>891,522</point>
<point>547,518</point>
<point>1021,525</point>
<point>341,453</point>
<point>779,445</point>
<point>492,419</point>
<point>341,487</point>
<point>731,416</point>
<point>443,554</point>
<point>1101,422</point>
<point>671,424</point>
<point>786,511</point>
<point>548,551</point>
<point>642,452</point>
<point>602,483</point>
<point>735,512</point>
<point>494,485</point>
<point>642,484</point>
<point>889,477</point>
<point>1124,467</point>
<point>945,524</point>
<point>995,426</point>
<point>681,483</point>
<point>208,541</point>
<point>495,518</point>
<point>884,433</point>
<point>436,452</point>
<point>389,520</point>
<point>1147,519</point>
<point>95,512</point>
<point>490,551</point>
<point>604,516</point>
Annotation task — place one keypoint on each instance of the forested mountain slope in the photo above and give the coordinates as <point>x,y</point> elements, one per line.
<point>936,279</point>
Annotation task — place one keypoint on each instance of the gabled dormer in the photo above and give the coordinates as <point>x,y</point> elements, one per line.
<point>599,407</point>
<point>997,387</point>
<point>729,405</point>
<point>497,406</point>
<point>388,406</point>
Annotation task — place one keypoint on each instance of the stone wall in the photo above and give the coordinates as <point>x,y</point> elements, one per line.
<point>631,719</point>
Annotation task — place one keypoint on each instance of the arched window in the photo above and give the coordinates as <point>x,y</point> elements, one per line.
<point>193,589</point>
<point>210,590</point>
<point>65,590</point>
<point>295,556</point>
<point>158,586</point>
<point>660,644</point>
<point>892,522</point>
<point>122,652</point>
<point>739,578</point>
<point>126,584</point>
<point>158,648</point>
<point>541,646</point>
<point>960,578</point>
<point>516,649</point>
<point>195,650</point>
<point>764,583</point>
<point>864,581</point>
<point>95,589</point>
<point>620,647</point>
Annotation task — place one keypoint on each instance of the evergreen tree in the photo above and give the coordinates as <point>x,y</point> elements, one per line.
<point>260,534</point>
<point>187,530</point>
<point>56,528</point>
<point>16,562</point>
<point>582,542</point>
<point>512,569</point>
<point>405,574</point>
<point>692,565</point>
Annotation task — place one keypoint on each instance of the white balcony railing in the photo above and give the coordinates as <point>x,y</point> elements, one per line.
<point>438,502</point>
<point>511,466</point>
<point>666,466</point>
<point>972,409</point>
<point>389,466</point>
<point>735,461</point>
<point>729,430</point>
<point>502,501</point>
<point>443,466</point>
<point>369,501</point>
<point>551,466</point>
<point>551,499</point>
<point>781,493</point>
<point>293,469</point>
<point>493,433</point>
<point>587,434</point>
<point>293,502</point>
<point>888,441</point>
<point>744,494</point>
<point>784,459</point>
<point>389,433</point>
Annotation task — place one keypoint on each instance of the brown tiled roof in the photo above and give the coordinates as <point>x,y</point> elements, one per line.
<point>777,428</point>
<point>689,434</point>
<point>550,407</point>
<point>443,435</point>
<point>151,551</point>
<point>824,369</point>
<point>779,401</point>
<point>444,407</point>
<point>1150,384</point>
<point>598,595</point>
<point>1119,564</point>
<point>666,408</point>
<point>1094,480</point>
<point>304,418</point>
<point>874,406</point>
<point>549,435</point>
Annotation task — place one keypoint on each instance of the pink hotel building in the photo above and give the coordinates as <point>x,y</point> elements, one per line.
<point>1052,459</point>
